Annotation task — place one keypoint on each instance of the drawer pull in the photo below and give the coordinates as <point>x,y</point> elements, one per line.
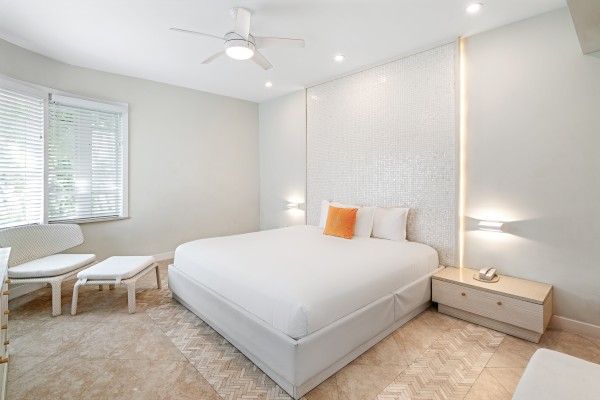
<point>6,292</point>
<point>4,327</point>
<point>6,312</point>
<point>499,303</point>
<point>3,360</point>
<point>463,294</point>
<point>8,281</point>
<point>6,342</point>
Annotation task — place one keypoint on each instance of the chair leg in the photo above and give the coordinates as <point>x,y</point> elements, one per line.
<point>158,277</point>
<point>56,301</point>
<point>100,288</point>
<point>111,287</point>
<point>131,297</point>
<point>75,297</point>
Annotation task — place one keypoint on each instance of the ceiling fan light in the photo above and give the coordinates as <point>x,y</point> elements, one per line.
<point>239,52</point>
<point>238,49</point>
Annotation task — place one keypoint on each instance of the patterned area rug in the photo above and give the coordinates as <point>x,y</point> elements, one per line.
<point>227,370</point>
<point>448,369</point>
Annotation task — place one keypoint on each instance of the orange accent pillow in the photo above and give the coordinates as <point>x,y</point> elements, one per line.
<point>340,222</point>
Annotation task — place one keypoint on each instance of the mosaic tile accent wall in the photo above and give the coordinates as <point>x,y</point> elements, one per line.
<point>388,136</point>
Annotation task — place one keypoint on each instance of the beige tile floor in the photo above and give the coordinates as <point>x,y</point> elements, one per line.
<point>105,353</point>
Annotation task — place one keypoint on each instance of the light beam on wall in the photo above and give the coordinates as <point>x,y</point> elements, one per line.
<point>462,163</point>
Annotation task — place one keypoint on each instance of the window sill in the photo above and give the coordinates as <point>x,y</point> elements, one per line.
<point>87,220</point>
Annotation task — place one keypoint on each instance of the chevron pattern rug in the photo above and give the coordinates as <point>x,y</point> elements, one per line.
<point>227,370</point>
<point>448,369</point>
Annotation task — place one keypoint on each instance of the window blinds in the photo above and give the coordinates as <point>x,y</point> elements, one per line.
<point>21,158</point>
<point>85,161</point>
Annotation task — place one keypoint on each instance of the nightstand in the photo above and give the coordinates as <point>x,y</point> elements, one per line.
<point>515,306</point>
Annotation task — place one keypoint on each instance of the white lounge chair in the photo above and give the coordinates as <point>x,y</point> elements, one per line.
<point>35,256</point>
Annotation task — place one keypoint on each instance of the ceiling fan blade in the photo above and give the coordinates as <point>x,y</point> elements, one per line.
<point>242,22</point>
<point>263,42</point>
<point>196,33</point>
<point>261,60</point>
<point>214,57</point>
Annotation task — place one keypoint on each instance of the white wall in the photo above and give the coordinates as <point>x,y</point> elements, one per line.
<point>282,141</point>
<point>533,158</point>
<point>193,157</point>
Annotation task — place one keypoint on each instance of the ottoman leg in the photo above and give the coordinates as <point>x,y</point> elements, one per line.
<point>158,277</point>
<point>75,297</point>
<point>131,297</point>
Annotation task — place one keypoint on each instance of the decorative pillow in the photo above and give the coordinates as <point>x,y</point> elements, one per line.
<point>364,217</point>
<point>340,222</point>
<point>390,223</point>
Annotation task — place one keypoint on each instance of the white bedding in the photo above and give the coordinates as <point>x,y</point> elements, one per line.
<point>299,280</point>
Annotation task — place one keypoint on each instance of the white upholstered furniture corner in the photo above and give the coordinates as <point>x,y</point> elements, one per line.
<point>35,256</point>
<point>551,375</point>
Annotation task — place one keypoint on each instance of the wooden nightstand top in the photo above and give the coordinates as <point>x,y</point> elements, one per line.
<point>522,289</point>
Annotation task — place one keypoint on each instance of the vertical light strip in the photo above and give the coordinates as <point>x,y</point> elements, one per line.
<point>462,155</point>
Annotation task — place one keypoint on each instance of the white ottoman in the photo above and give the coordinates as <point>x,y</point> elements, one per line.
<point>551,375</point>
<point>115,271</point>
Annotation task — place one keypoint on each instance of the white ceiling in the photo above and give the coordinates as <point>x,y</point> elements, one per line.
<point>131,37</point>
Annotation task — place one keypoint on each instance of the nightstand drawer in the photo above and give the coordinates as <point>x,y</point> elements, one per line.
<point>512,311</point>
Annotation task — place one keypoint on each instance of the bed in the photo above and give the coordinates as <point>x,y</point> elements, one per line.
<point>300,304</point>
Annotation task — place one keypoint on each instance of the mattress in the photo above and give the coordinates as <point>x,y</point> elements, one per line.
<point>298,280</point>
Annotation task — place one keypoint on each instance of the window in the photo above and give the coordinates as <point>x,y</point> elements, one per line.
<point>21,158</point>
<point>61,159</point>
<point>85,160</point>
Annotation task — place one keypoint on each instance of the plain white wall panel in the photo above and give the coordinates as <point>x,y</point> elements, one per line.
<point>282,123</point>
<point>533,159</point>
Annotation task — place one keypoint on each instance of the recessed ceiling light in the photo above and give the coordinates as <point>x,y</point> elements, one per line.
<point>268,83</point>
<point>474,8</point>
<point>339,57</point>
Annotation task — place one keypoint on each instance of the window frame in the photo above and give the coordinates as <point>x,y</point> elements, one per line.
<point>77,101</point>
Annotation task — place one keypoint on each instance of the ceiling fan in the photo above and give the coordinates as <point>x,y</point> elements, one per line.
<point>239,44</point>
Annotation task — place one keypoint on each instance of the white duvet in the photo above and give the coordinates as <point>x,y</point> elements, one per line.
<point>299,280</point>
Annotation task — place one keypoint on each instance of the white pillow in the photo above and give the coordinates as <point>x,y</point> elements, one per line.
<point>324,212</point>
<point>390,223</point>
<point>364,217</point>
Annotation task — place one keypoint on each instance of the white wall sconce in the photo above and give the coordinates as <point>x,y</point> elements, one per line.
<point>293,206</point>
<point>491,226</point>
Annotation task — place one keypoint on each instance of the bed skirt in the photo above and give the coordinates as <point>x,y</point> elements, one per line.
<point>298,366</point>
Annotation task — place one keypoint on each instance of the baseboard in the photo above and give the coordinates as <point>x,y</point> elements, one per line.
<point>574,326</point>
<point>19,290</point>
<point>164,256</point>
